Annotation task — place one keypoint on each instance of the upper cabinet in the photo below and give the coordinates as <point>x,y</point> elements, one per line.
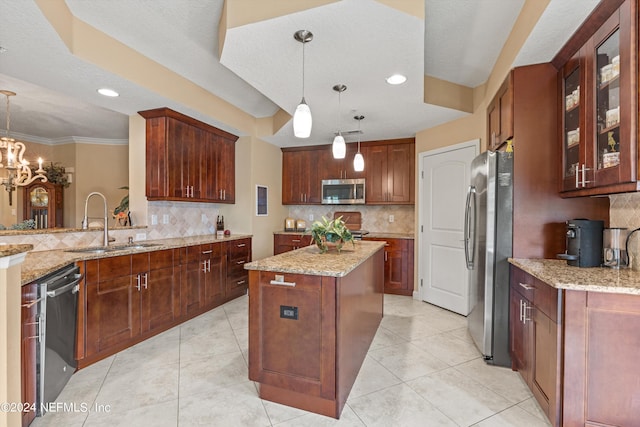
<point>500,116</point>
<point>389,171</point>
<point>187,160</point>
<point>599,104</point>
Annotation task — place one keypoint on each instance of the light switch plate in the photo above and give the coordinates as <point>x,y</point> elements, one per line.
<point>392,218</point>
<point>165,219</point>
<point>154,219</point>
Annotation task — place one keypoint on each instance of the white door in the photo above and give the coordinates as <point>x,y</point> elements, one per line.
<point>444,180</point>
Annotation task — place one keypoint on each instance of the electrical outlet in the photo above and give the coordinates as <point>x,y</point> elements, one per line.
<point>141,236</point>
<point>392,218</point>
<point>310,217</point>
<point>165,219</point>
<point>204,218</point>
<point>154,219</point>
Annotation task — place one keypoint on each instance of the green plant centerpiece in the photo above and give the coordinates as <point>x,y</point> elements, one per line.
<point>327,233</point>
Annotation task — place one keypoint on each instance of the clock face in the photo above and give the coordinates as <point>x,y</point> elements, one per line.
<point>39,197</point>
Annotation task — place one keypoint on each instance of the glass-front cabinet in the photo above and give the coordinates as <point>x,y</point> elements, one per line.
<point>599,110</point>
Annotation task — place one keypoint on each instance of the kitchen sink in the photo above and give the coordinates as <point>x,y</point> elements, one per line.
<point>103,249</point>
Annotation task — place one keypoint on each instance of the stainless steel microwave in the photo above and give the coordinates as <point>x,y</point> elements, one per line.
<point>343,191</point>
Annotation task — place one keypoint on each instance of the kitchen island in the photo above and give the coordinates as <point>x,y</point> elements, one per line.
<point>312,318</point>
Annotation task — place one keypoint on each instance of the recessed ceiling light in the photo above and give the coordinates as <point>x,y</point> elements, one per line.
<point>108,92</point>
<point>396,79</point>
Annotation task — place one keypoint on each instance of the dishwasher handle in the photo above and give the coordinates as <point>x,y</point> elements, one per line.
<point>71,286</point>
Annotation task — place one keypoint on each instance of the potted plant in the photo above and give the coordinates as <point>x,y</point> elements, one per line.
<point>330,233</point>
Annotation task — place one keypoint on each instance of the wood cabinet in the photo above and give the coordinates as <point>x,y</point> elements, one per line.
<point>301,182</point>
<point>599,111</point>
<point>536,338</point>
<point>127,296</point>
<point>289,242</point>
<point>389,172</point>
<point>187,160</point>
<point>237,278</point>
<point>398,265</point>
<point>601,359</point>
<point>43,203</point>
<point>500,116</point>
<point>29,337</point>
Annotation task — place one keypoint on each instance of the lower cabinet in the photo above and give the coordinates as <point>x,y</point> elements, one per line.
<point>289,242</point>
<point>126,299</point>
<point>535,340</point>
<point>398,265</point>
<point>29,337</point>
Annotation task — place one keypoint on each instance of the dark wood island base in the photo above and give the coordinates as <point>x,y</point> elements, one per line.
<point>309,333</point>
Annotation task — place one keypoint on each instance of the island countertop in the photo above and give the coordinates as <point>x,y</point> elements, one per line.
<point>595,279</point>
<point>310,261</point>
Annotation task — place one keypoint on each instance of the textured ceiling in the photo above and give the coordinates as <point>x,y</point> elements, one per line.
<point>356,43</point>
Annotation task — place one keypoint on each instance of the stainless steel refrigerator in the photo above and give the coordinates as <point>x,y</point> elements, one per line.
<point>488,244</point>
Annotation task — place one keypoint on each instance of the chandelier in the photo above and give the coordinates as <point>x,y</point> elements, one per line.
<point>18,173</point>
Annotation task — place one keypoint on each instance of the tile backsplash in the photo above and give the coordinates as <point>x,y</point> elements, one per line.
<point>624,210</point>
<point>182,219</point>
<point>374,218</point>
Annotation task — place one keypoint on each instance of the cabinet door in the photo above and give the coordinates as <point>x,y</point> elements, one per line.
<point>376,183</point>
<point>400,170</point>
<point>226,174</point>
<point>191,290</point>
<point>160,290</point>
<point>574,134</point>
<point>500,116</point>
<point>517,334</point>
<point>544,373</point>
<point>29,337</point>
<point>238,254</point>
<point>613,102</point>
<point>113,304</point>
<point>211,259</point>
<point>292,192</point>
<point>394,270</point>
<point>179,147</point>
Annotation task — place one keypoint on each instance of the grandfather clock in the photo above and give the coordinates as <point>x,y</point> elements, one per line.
<point>42,203</point>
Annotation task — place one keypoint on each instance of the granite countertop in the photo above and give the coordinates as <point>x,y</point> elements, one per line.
<point>372,234</point>
<point>39,264</point>
<point>310,261</point>
<point>8,250</point>
<point>595,279</point>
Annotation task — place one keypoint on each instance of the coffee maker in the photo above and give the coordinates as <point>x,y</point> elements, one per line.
<point>584,243</point>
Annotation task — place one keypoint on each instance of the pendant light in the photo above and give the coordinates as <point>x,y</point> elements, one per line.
<point>339,147</point>
<point>358,159</point>
<point>302,117</point>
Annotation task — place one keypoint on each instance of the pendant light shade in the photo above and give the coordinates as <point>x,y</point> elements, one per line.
<point>358,159</point>
<point>302,117</point>
<point>339,147</point>
<point>302,120</point>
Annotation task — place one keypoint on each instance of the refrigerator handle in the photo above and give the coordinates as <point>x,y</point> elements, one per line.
<point>468,255</point>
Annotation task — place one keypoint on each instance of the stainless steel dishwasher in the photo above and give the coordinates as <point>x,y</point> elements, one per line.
<point>56,349</point>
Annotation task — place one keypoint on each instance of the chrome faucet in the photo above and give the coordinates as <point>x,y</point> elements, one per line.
<point>85,220</point>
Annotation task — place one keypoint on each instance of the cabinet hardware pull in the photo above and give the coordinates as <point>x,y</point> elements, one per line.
<point>524,313</point>
<point>241,245</point>
<point>204,266</point>
<point>295,240</point>
<point>31,303</point>
<point>39,329</point>
<point>208,266</point>
<point>240,262</point>
<point>224,194</point>
<point>385,256</point>
<point>138,282</point>
<point>577,177</point>
<point>240,282</point>
<point>207,252</point>
<point>520,317</point>
<point>146,281</point>
<point>527,287</point>
<point>283,283</point>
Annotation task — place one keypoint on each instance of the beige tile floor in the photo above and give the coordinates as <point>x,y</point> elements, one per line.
<point>421,370</point>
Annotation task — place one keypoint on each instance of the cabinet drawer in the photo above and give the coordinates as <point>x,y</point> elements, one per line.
<point>543,296</point>
<point>391,244</point>
<point>239,249</point>
<point>297,240</point>
<point>108,268</point>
